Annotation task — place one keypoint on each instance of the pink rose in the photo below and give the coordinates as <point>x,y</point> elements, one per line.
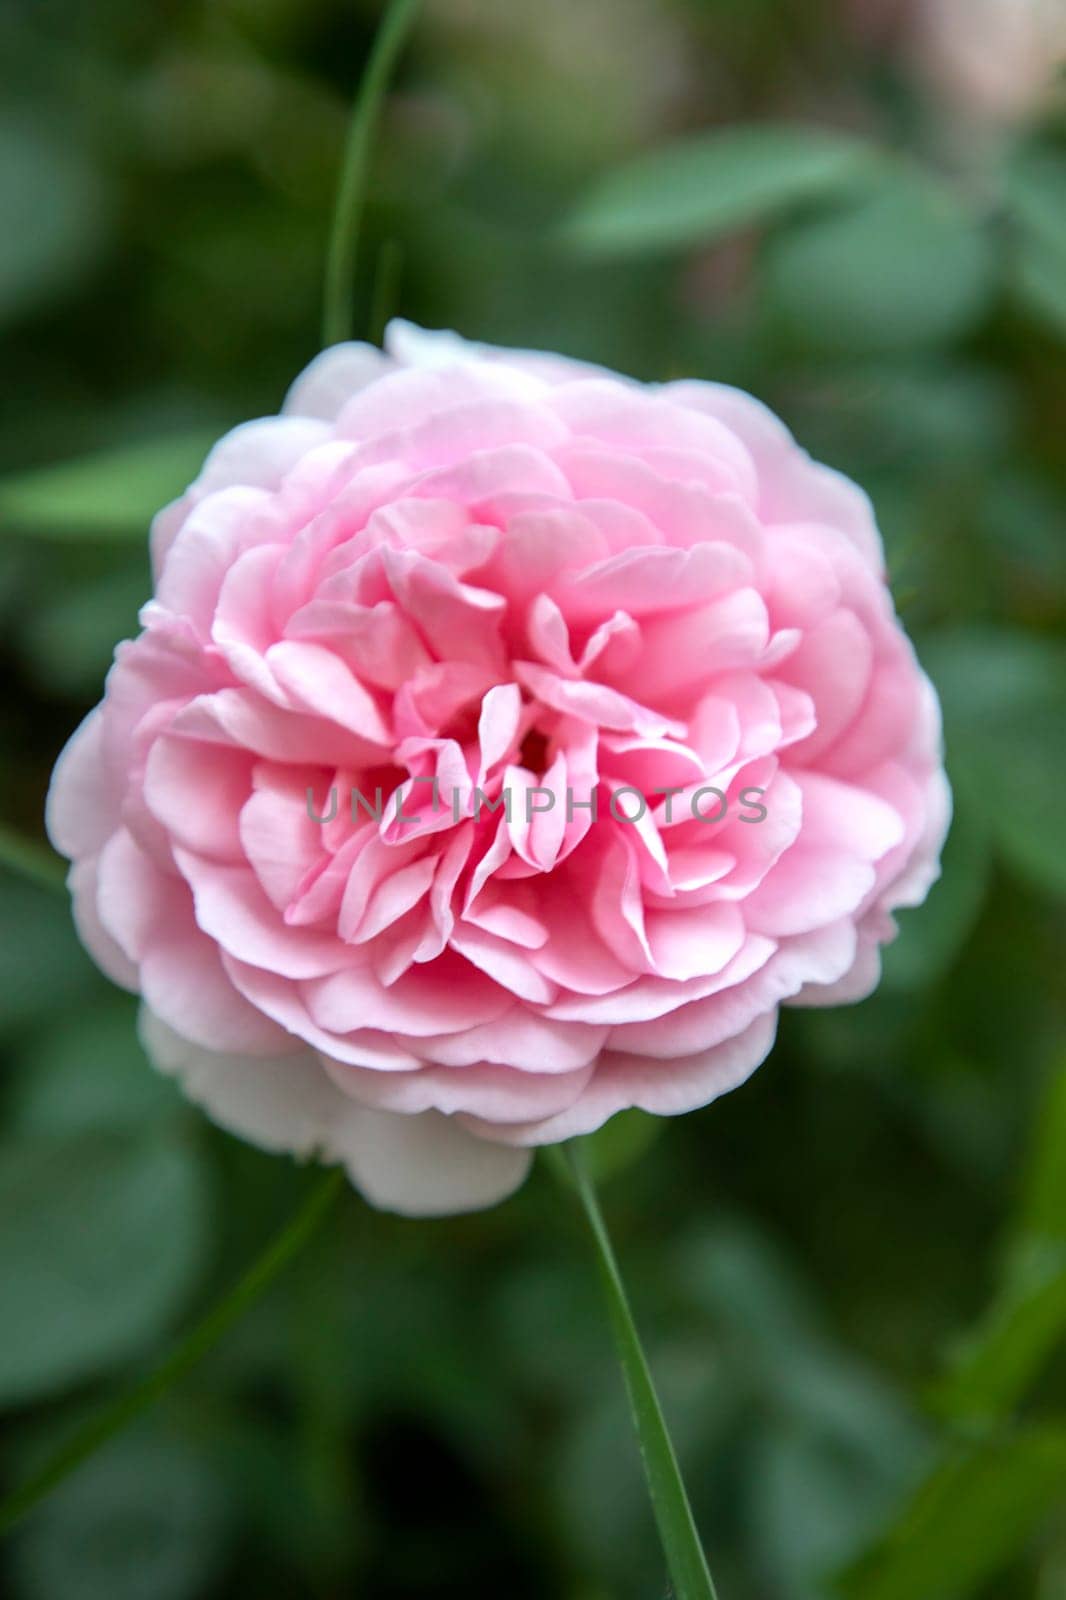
<point>504,589</point>
<point>997,60</point>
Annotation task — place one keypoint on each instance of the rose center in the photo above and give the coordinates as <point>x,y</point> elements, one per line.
<point>534,752</point>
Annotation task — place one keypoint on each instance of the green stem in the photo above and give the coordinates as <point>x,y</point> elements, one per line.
<point>386,286</point>
<point>347,212</point>
<point>127,1407</point>
<point>680,1540</point>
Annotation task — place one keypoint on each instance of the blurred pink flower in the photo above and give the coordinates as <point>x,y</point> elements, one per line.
<point>992,60</point>
<point>506,572</point>
<point>995,59</point>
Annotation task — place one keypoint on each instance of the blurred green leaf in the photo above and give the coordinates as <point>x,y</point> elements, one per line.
<point>620,1142</point>
<point>1043,1214</point>
<point>1012,1341</point>
<point>548,1326</point>
<point>766,1317</point>
<point>908,264</point>
<point>1020,519</point>
<point>144,1520</point>
<point>54,207</point>
<point>966,1521</point>
<point>931,935</point>
<point>32,859</point>
<point>112,495</point>
<point>68,640</point>
<point>42,966</point>
<point>87,1073</point>
<point>1036,194</point>
<point>102,1236</point>
<point>1004,697</point>
<point>734,1274</point>
<point>924,413</point>
<point>1026,1322</point>
<point>696,189</point>
<point>812,1506</point>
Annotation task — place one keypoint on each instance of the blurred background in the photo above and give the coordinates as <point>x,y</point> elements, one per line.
<point>852,1272</point>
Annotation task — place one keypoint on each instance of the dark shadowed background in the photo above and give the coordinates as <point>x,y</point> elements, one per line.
<point>852,1272</point>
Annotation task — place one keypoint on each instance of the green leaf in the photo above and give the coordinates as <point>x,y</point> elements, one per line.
<point>87,1073</point>
<point>102,1236</point>
<point>1036,193</point>
<point>44,968</point>
<point>699,188</point>
<point>54,209</point>
<point>907,265</point>
<point>1020,521</point>
<point>112,495</point>
<point>68,640</point>
<point>146,1520</point>
<point>32,859</point>
<point>932,935</point>
<point>1043,1213</point>
<point>127,1406</point>
<point>1004,697</point>
<point>769,1326</point>
<point>994,1366</point>
<point>620,1142</point>
<point>1023,1327</point>
<point>812,1507</point>
<point>966,1521</point>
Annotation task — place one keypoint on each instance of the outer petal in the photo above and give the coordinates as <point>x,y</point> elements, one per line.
<point>82,808</point>
<point>666,1089</point>
<point>329,382</point>
<point>413,346</point>
<point>429,1165</point>
<point>425,1165</point>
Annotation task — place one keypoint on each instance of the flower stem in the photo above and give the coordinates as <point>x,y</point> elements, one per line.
<point>347,212</point>
<point>678,1535</point>
<point>127,1407</point>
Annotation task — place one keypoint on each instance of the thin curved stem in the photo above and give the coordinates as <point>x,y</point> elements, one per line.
<point>207,1332</point>
<point>347,212</point>
<point>386,287</point>
<point>678,1534</point>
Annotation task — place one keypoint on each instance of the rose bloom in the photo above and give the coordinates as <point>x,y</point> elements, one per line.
<point>514,574</point>
<point>993,61</point>
<point>997,60</point>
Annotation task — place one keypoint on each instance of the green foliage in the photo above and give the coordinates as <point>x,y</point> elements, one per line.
<point>113,495</point>
<point>1026,1323</point>
<point>620,1142</point>
<point>967,1521</point>
<point>68,641</point>
<point>906,265</point>
<point>700,188</point>
<point>1004,698</point>
<point>973,1512</point>
<point>54,202</point>
<point>86,1072</point>
<point>932,936</point>
<point>42,967</point>
<point>1023,1326</point>
<point>145,1520</point>
<point>102,1236</point>
<point>1036,190</point>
